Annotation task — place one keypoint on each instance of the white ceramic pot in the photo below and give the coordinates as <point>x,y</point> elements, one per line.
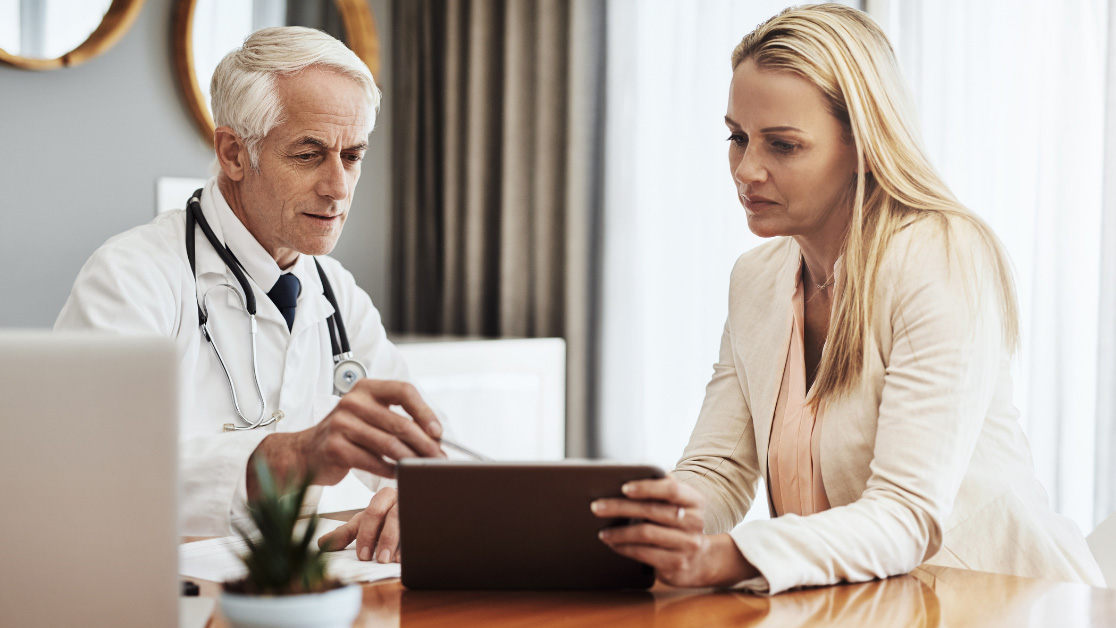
<point>333,609</point>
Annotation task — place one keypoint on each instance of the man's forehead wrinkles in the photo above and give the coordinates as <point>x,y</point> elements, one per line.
<point>349,143</point>
<point>310,140</point>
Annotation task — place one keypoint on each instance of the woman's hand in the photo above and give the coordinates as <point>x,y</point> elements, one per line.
<point>376,530</point>
<point>671,538</point>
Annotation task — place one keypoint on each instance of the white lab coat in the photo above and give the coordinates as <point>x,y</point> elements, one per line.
<point>140,282</point>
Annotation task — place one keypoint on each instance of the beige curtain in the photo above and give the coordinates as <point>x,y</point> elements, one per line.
<point>497,192</point>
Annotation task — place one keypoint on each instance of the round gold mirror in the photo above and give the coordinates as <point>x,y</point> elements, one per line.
<point>206,30</point>
<point>39,35</point>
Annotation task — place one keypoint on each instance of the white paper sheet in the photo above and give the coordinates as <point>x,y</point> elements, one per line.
<point>216,560</point>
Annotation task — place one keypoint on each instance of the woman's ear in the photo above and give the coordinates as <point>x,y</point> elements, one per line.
<point>232,154</point>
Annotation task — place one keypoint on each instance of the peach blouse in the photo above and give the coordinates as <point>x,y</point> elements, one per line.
<point>793,454</point>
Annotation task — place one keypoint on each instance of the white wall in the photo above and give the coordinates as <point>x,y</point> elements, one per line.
<point>82,148</point>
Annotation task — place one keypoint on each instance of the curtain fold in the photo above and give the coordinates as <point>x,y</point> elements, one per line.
<point>497,187</point>
<point>1105,453</point>
<point>1012,102</point>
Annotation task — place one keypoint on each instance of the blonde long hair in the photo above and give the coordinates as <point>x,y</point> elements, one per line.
<point>848,57</point>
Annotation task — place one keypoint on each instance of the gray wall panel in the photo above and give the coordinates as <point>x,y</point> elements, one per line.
<point>83,147</point>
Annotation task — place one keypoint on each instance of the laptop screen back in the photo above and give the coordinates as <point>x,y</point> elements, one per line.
<point>88,481</point>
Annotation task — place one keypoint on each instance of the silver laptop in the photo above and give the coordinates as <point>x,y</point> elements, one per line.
<point>88,487</point>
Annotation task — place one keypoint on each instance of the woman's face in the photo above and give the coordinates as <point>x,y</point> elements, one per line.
<point>793,169</point>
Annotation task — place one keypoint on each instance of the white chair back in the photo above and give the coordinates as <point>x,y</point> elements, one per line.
<point>1102,543</point>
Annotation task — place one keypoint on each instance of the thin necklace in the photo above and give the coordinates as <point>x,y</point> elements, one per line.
<point>816,284</point>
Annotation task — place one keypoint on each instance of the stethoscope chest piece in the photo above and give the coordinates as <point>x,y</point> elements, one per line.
<point>346,374</point>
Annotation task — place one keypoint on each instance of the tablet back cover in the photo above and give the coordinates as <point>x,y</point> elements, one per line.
<point>469,525</point>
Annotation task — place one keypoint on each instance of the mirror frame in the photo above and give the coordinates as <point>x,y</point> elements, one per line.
<point>356,18</point>
<point>119,17</point>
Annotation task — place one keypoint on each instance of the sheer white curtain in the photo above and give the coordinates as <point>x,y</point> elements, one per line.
<point>673,225</point>
<point>1011,96</point>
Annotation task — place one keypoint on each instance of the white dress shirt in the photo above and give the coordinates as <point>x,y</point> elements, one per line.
<point>140,282</point>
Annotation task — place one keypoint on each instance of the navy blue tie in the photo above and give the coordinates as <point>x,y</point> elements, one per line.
<point>285,297</point>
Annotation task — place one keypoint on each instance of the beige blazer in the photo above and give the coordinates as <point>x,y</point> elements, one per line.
<point>924,462</point>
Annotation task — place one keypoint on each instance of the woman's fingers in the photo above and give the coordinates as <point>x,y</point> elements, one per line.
<point>657,557</point>
<point>662,513</point>
<point>664,489</point>
<point>670,567</point>
<point>653,535</point>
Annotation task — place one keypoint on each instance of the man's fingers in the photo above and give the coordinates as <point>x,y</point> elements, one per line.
<point>387,548</point>
<point>373,409</point>
<point>406,395</point>
<point>366,537</point>
<point>340,538</point>
<point>355,457</point>
<point>399,426</point>
<point>373,438</point>
<point>372,522</point>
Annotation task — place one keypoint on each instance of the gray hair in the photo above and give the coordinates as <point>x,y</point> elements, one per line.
<point>243,87</point>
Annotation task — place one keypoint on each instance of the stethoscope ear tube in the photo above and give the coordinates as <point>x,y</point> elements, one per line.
<point>193,209</point>
<point>339,339</point>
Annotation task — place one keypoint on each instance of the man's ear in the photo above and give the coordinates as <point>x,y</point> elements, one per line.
<point>232,154</point>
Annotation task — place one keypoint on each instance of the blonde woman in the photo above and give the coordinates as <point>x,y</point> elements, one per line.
<point>863,371</point>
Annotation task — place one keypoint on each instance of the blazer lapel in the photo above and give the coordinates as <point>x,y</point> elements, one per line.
<point>765,308</point>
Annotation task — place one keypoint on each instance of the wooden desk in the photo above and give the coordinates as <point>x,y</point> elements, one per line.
<point>928,597</point>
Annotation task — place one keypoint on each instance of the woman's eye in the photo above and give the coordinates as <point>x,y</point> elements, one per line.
<point>738,139</point>
<point>783,147</point>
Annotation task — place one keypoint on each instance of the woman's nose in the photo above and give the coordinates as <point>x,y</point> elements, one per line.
<point>748,169</point>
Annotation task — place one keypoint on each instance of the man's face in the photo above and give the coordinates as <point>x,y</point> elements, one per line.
<point>309,164</point>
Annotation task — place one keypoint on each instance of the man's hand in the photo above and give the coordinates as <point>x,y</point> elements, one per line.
<point>671,535</point>
<point>361,433</point>
<point>376,530</point>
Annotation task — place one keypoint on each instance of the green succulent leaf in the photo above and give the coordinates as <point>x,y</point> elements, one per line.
<point>278,561</point>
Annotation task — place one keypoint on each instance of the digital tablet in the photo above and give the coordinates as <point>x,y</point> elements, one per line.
<point>512,525</point>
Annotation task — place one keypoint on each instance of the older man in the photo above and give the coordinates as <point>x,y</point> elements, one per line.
<point>293,108</point>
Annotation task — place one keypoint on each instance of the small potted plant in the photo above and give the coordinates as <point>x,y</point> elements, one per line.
<point>287,584</point>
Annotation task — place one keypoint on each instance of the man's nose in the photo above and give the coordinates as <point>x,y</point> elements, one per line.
<point>333,182</point>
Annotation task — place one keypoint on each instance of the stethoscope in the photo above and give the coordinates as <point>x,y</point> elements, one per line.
<point>346,370</point>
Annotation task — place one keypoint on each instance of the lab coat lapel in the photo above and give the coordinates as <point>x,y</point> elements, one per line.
<point>767,312</point>
<point>313,307</point>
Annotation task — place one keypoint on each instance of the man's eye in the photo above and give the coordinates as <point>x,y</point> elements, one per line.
<point>305,157</point>
<point>354,158</point>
